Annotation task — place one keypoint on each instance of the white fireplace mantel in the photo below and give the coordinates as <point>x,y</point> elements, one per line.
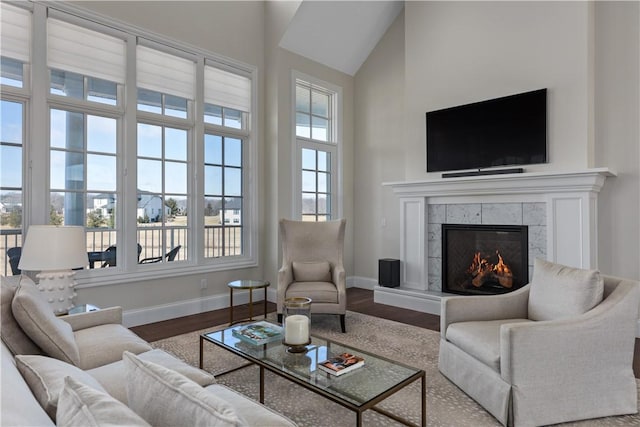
<point>570,204</point>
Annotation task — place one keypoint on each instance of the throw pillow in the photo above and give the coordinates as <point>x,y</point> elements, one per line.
<point>166,398</point>
<point>36,318</point>
<point>312,271</point>
<point>45,377</point>
<point>12,334</point>
<point>558,291</point>
<point>83,406</point>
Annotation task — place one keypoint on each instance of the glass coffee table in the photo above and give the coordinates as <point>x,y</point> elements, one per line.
<point>358,390</point>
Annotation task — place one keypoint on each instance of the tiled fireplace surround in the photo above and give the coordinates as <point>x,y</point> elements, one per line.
<point>559,208</point>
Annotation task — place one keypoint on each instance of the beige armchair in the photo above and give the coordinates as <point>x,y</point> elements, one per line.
<point>528,364</point>
<point>312,266</point>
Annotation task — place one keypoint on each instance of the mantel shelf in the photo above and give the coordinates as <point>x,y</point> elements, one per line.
<point>589,180</point>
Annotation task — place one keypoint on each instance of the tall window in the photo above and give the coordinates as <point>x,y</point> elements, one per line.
<point>86,72</point>
<point>317,135</point>
<point>123,152</point>
<point>226,111</point>
<point>15,31</point>
<point>166,85</point>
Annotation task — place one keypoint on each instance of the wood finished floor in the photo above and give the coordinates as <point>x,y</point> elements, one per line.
<point>359,300</point>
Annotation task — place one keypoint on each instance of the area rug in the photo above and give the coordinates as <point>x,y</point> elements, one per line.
<point>447,405</point>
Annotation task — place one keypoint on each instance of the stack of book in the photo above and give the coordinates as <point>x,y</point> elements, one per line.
<point>258,333</point>
<point>341,364</point>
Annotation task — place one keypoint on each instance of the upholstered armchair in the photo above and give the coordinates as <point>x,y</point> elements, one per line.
<point>559,349</point>
<point>312,266</point>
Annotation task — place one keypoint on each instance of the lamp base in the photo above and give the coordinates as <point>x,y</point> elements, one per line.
<point>57,288</point>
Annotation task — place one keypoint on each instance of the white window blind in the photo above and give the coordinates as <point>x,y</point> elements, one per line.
<point>84,51</point>
<point>227,89</point>
<point>15,31</point>
<point>165,73</point>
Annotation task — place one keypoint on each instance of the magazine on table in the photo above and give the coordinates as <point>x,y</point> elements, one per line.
<point>258,333</point>
<point>341,364</point>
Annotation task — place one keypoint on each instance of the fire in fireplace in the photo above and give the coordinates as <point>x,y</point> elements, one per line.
<point>484,259</point>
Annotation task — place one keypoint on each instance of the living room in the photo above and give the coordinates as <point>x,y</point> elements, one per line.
<point>433,55</point>
<point>592,109</point>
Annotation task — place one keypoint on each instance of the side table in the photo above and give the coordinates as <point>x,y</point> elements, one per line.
<point>250,285</point>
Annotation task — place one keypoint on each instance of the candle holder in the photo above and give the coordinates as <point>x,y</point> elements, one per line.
<point>296,323</point>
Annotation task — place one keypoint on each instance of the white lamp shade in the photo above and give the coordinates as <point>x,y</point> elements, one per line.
<point>52,247</point>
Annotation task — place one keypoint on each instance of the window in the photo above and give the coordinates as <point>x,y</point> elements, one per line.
<point>166,85</point>
<point>15,31</point>
<point>83,147</point>
<point>317,148</point>
<point>11,152</point>
<point>227,100</point>
<point>122,152</point>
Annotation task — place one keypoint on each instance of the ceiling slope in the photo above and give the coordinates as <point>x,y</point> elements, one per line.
<point>339,34</point>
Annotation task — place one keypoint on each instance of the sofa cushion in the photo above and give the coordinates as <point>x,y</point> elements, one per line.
<point>166,398</point>
<point>83,406</point>
<point>113,377</point>
<point>253,412</point>
<point>12,334</point>
<point>317,291</point>
<point>103,344</point>
<point>19,406</point>
<point>36,318</point>
<point>312,271</point>
<point>480,339</point>
<point>45,377</point>
<point>558,291</point>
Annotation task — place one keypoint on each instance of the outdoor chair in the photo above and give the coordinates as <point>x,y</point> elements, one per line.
<point>169,256</point>
<point>14,258</point>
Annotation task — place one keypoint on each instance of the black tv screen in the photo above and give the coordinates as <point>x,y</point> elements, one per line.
<point>511,130</point>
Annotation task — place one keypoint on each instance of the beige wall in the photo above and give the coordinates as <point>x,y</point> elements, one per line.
<point>459,52</point>
<point>380,148</point>
<point>280,64</point>
<point>617,134</point>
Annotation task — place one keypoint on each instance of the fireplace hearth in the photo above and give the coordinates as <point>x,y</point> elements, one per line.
<point>484,259</point>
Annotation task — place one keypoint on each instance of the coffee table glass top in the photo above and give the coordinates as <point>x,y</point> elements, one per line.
<point>360,386</point>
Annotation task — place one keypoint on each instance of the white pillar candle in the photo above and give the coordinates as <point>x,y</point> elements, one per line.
<point>296,329</point>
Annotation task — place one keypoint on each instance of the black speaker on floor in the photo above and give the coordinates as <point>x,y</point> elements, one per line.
<point>389,272</point>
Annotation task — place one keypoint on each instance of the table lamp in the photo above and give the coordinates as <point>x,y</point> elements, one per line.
<point>54,251</point>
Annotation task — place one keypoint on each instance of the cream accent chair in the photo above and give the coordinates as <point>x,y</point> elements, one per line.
<point>312,266</point>
<point>529,364</point>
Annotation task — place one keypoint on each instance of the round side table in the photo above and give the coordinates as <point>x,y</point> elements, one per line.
<point>250,285</point>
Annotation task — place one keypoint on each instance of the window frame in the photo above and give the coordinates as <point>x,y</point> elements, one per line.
<point>333,146</point>
<point>36,187</point>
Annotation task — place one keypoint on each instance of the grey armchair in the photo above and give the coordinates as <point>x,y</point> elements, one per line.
<point>528,372</point>
<point>312,266</point>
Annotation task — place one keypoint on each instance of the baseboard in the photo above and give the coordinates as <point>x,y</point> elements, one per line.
<point>158,313</point>
<point>361,282</point>
<point>423,301</point>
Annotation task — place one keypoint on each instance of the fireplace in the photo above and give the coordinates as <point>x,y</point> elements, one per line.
<point>484,259</point>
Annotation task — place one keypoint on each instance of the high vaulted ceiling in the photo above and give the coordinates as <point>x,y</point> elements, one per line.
<point>339,34</point>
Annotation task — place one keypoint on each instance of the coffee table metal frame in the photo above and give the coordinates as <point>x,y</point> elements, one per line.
<point>250,285</point>
<point>224,339</point>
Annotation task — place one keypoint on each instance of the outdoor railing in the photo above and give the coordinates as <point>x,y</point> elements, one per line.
<point>219,241</point>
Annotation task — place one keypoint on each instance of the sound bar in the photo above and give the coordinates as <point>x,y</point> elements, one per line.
<point>482,172</point>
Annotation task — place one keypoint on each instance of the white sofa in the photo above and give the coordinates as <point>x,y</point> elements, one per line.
<point>88,348</point>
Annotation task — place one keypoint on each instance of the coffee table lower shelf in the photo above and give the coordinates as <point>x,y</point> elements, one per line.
<point>227,342</point>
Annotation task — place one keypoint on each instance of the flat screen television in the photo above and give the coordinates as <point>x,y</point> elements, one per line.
<point>510,130</point>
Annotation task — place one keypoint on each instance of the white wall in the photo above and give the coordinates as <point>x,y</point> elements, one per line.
<point>460,52</point>
<point>380,141</point>
<point>279,65</point>
<point>617,134</point>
